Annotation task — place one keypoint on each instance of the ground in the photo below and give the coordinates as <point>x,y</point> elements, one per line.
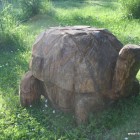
<point>43,122</point>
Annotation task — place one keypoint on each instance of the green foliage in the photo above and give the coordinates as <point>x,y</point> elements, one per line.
<point>7,20</point>
<point>138,76</point>
<point>13,12</point>
<point>40,122</point>
<point>131,7</point>
<point>9,38</point>
<point>30,7</point>
<point>73,0</point>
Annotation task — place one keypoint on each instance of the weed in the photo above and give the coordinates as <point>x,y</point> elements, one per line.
<point>131,8</point>
<point>10,37</point>
<point>30,7</point>
<point>43,122</point>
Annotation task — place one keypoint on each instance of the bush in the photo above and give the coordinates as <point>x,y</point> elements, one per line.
<point>10,39</point>
<point>11,15</point>
<point>131,7</point>
<point>30,7</point>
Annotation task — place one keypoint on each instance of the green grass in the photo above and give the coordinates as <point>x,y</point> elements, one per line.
<point>39,122</point>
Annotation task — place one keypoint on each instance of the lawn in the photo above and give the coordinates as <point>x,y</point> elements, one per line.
<point>45,123</point>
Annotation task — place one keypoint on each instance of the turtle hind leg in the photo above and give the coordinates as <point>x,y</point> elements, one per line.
<point>84,105</point>
<point>81,113</point>
<point>30,90</point>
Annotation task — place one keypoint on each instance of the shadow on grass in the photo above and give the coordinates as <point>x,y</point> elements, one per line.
<point>68,5</point>
<point>46,21</point>
<point>105,5</point>
<point>101,125</point>
<point>40,23</point>
<point>52,120</point>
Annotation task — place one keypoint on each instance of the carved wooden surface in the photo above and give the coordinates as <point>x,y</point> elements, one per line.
<point>80,69</point>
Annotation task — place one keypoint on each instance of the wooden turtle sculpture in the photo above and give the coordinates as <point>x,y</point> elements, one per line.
<point>80,69</point>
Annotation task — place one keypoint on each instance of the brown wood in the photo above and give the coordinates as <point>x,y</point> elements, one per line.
<point>80,69</point>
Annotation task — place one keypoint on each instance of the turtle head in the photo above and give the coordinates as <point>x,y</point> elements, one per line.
<point>127,66</point>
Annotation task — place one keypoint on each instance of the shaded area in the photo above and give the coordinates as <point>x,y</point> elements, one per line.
<point>46,21</point>
<point>102,124</point>
<point>16,123</point>
<point>68,5</point>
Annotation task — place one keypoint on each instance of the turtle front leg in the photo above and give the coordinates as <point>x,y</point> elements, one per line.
<point>127,66</point>
<point>84,105</point>
<point>30,90</point>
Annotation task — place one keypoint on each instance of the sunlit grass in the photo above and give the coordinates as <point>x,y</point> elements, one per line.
<point>40,122</point>
<point>138,75</point>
